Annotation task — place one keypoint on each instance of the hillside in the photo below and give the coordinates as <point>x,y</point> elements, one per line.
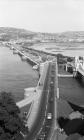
<point>7,34</point>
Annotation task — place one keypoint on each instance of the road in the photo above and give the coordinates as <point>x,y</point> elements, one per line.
<point>42,127</point>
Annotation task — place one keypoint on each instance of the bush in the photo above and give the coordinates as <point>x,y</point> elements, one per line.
<point>10,121</point>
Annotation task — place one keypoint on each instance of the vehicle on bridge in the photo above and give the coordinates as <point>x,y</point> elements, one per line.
<point>49,116</point>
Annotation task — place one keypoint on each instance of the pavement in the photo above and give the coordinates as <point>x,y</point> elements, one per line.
<point>32,117</point>
<point>32,96</point>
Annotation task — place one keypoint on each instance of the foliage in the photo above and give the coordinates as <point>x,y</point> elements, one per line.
<point>70,59</point>
<point>10,122</point>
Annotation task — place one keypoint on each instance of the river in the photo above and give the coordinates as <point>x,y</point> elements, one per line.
<point>15,74</point>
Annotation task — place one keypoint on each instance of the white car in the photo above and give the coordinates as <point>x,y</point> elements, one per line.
<point>49,116</point>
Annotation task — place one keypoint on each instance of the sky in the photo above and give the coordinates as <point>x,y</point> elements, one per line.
<point>43,15</point>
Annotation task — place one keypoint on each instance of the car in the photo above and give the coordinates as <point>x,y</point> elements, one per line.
<point>49,116</point>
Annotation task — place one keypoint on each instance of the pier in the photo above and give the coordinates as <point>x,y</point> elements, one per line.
<point>24,56</point>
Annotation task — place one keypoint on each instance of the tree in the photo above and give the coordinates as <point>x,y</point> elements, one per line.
<point>10,122</point>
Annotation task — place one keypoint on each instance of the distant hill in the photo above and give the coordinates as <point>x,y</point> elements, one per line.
<point>8,33</point>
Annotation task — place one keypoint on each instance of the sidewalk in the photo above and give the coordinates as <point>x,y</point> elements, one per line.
<point>34,111</point>
<point>30,95</point>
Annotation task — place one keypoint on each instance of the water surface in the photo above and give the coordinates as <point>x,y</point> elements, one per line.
<point>15,74</point>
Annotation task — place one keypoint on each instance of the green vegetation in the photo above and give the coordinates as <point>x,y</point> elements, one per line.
<point>11,125</point>
<point>63,59</point>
